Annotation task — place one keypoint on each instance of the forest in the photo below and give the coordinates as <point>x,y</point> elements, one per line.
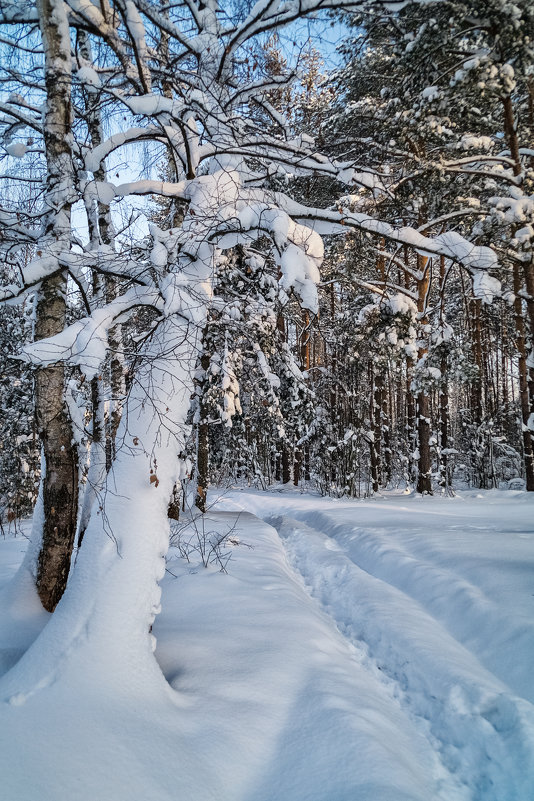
<point>280,247</point>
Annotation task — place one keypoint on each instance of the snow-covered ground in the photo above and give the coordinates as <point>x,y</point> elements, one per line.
<point>379,650</point>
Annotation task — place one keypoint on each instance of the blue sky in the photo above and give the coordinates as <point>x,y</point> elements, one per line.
<point>324,33</point>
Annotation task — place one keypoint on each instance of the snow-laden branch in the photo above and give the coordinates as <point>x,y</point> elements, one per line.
<point>89,14</point>
<point>477,259</point>
<point>96,156</point>
<point>14,110</point>
<point>36,271</point>
<point>136,32</point>
<point>15,12</point>
<point>85,342</point>
<point>105,191</point>
<point>189,44</point>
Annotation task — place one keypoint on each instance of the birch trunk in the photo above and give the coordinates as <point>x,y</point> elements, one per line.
<point>60,482</point>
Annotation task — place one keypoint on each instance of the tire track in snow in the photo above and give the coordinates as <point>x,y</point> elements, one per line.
<point>484,735</point>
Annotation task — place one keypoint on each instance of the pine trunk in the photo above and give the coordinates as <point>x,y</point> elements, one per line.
<point>286,464</point>
<point>386,438</point>
<point>374,443</point>
<point>424,480</point>
<point>528,450</point>
<point>202,466</point>
<point>444,430</point>
<point>443,392</point>
<point>411,424</point>
<point>526,372</point>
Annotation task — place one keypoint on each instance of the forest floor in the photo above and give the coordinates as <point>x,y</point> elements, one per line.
<point>376,650</point>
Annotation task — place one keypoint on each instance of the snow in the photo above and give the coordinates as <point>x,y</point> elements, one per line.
<point>95,157</point>
<point>485,286</point>
<point>89,76</point>
<point>101,191</point>
<point>371,650</point>
<point>16,149</point>
<point>88,10</point>
<point>401,304</point>
<point>299,272</point>
<point>471,256</point>
<point>148,105</point>
<point>430,93</point>
<point>159,254</point>
<point>469,142</point>
<point>85,342</point>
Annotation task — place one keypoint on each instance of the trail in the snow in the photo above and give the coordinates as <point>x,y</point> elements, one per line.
<point>452,786</point>
<point>471,612</point>
<point>483,734</point>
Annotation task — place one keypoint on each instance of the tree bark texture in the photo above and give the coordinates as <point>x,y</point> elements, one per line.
<point>526,373</point>
<point>60,482</point>
<point>374,418</point>
<point>203,453</point>
<point>424,479</point>
<point>528,450</point>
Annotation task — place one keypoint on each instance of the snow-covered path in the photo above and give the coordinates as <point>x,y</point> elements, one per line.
<point>439,597</point>
<point>358,651</point>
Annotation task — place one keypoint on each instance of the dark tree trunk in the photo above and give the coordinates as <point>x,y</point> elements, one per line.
<point>524,399</point>
<point>411,424</point>
<point>526,373</point>
<point>443,392</point>
<point>60,482</point>
<point>374,419</point>
<point>424,480</point>
<point>202,466</point>
<point>286,464</point>
<point>386,438</point>
<point>444,431</point>
<point>297,466</point>
<point>173,509</point>
<point>203,452</point>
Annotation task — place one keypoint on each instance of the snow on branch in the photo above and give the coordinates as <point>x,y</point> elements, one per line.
<point>104,191</point>
<point>13,110</point>
<point>85,342</point>
<point>96,156</point>
<point>163,23</point>
<point>14,12</point>
<point>477,259</point>
<point>35,272</point>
